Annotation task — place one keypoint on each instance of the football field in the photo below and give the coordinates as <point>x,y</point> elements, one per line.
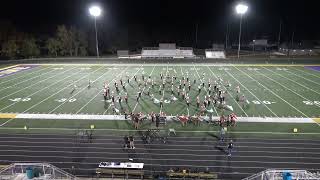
<point>45,109</point>
<point>51,91</point>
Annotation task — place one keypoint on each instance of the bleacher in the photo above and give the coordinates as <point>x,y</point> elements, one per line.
<point>167,51</point>
<point>215,54</point>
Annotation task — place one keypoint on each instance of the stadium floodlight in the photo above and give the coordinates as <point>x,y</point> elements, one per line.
<point>241,9</point>
<point>95,11</point>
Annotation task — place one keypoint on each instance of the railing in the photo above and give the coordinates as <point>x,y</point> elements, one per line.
<point>47,171</point>
<point>277,174</point>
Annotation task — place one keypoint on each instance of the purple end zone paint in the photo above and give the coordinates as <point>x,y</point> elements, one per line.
<point>315,68</point>
<point>13,70</point>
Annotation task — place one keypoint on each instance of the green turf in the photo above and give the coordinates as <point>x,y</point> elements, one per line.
<point>124,127</point>
<point>49,89</point>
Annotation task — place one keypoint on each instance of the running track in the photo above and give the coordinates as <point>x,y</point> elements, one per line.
<point>250,156</point>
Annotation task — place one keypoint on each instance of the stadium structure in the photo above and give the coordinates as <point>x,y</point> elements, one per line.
<point>208,116</point>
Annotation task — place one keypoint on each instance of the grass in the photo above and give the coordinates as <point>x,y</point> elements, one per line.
<point>272,91</point>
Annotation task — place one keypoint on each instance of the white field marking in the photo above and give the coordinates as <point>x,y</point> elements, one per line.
<point>160,159</point>
<point>164,88</point>
<point>205,88</point>
<point>1,125</point>
<point>252,93</point>
<point>77,93</point>
<point>228,93</point>
<point>293,81</point>
<point>182,74</point>
<point>23,82</point>
<point>99,93</point>
<point>138,69</point>
<point>135,106</point>
<point>43,88</point>
<point>29,73</point>
<point>273,93</point>
<point>289,89</point>
<point>167,154</point>
<point>303,77</point>
<point>306,72</point>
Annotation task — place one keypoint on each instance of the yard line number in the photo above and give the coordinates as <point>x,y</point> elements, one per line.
<point>20,99</point>
<point>63,100</point>
<point>311,103</point>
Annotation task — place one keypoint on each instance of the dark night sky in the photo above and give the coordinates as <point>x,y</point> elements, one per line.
<point>169,20</point>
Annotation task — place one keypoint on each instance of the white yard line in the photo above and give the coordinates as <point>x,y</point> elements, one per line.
<point>135,106</point>
<point>1,125</point>
<point>125,86</point>
<point>228,93</point>
<point>303,77</point>
<point>306,71</point>
<point>288,88</point>
<point>30,95</point>
<point>99,93</point>
<point>25,81</point>
<point>204,87</point>
<point>272,92</point>
<point>293,81</point>
<point>78,91</point>
<point>22,76</point>
<point>182,74</point>
<point>164,88</point>
<point>251,93</point>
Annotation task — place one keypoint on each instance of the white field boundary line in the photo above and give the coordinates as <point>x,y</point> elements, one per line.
<point>164,89</point>
<point>99,93</point>
<point>154,159</point>
<point>1,125</point>
<point>303,77</point>
<point>204,87</point>
<point>165,154</point>
<point>78,91</point>
<point>126,85</point>
<point>252,93</point>
<point>25,81</point>
<point>176,64</point>
<point>306,71</point>
<point>272,92</point>
<point>288,88</point>
<point>293,81</point>
<point>135,106</point>
<point>228,93</point>
<point>122,118</point>
<point>30,95</point>
<point>27,74</point>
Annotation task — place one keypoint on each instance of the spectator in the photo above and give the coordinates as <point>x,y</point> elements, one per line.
<point>126,142</point>
<point>131,139</point>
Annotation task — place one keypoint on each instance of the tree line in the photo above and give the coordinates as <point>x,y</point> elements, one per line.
<point>66,41</point>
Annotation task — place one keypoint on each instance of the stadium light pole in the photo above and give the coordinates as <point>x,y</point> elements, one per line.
<point>241,9</point>
<point>95,11</point>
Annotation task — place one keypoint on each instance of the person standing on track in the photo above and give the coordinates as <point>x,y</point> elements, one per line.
<point>131,139</point>
<point>222,134</point>
<point>230,148</point>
